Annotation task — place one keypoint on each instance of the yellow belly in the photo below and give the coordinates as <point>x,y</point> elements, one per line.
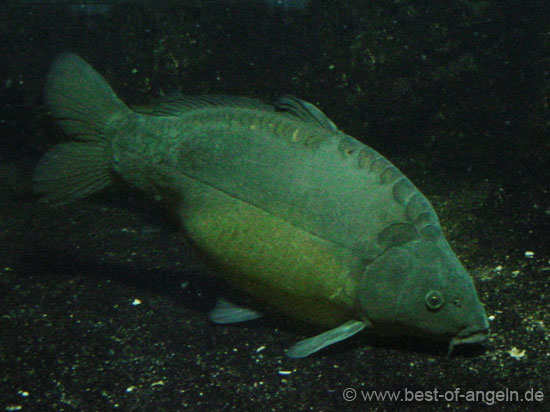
<point>291,271</point>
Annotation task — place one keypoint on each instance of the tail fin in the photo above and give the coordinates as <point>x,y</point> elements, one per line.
<point>85,104</point>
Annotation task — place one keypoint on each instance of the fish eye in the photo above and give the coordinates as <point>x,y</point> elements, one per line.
<point>434,300</point>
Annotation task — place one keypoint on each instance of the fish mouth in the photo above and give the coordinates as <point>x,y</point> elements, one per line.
<point>469,335</point>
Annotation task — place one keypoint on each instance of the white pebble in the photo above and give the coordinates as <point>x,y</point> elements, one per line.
<point>517,353</point>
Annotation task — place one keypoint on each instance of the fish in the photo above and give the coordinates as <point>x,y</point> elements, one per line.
<point>309,222</point>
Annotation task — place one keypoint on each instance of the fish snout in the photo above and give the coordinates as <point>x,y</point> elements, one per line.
<point>476,333</point>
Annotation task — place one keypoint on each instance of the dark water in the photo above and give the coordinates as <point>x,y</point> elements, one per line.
<point>454,93</point>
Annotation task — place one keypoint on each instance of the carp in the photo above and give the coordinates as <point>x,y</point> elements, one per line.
<point>308,221</point>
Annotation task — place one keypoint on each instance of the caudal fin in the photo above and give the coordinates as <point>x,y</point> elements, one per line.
<point>84,103</point>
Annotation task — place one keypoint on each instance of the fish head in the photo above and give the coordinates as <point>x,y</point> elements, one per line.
<point>421,288</point>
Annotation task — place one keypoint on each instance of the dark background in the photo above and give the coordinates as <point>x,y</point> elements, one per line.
<point>455,93</point>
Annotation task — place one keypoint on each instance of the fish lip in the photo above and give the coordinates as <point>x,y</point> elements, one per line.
<point>469,335</point>
<point>477,336</point>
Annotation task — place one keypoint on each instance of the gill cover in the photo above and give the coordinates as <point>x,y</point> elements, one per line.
<point>381,286</point>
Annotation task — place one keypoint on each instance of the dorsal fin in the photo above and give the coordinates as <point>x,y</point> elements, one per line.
<point>176,104</point>
<point>304,111</point>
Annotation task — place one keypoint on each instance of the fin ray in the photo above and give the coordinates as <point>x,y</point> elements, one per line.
<point>305,111</point>
<point>178,104</point>
<point>71,171</point>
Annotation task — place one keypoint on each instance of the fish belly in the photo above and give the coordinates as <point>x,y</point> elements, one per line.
<point>282,266</point>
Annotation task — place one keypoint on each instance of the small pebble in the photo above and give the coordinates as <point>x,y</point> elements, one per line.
<point>516,353</point>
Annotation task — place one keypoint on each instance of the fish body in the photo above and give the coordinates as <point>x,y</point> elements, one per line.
<point>304,218</point>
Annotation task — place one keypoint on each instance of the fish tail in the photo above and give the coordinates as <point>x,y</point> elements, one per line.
<point>85,105</point>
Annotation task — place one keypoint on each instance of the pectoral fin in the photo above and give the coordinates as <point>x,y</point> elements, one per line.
<point>308,346</point>
<point>227,312</point>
